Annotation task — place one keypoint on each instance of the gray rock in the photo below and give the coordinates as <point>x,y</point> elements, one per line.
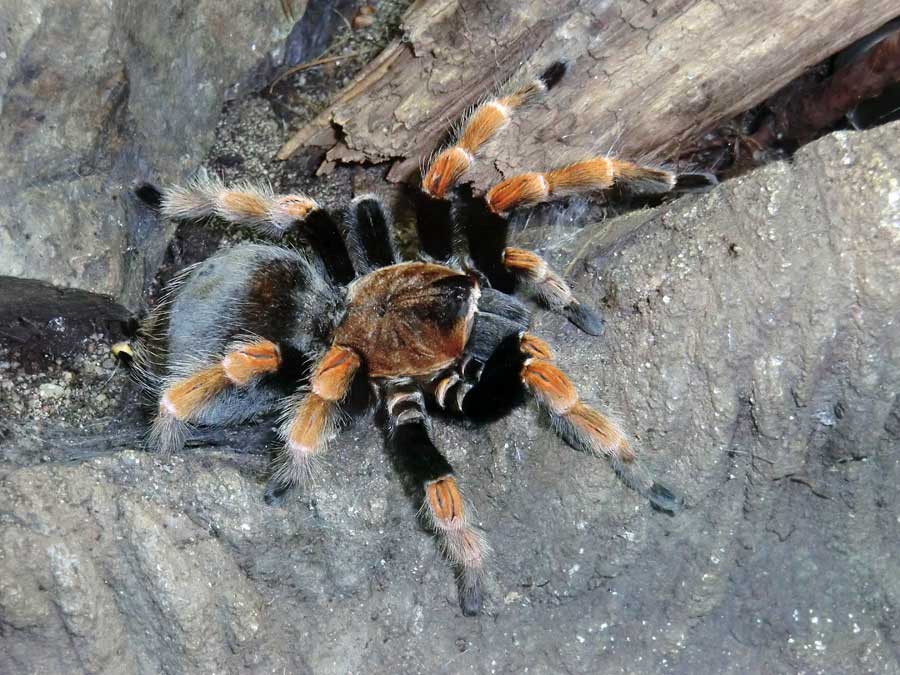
<point>97,95</point>
<point>51,390</point>
<point>752,349</point>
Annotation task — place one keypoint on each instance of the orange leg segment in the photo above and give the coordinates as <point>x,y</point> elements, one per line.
<point>186,398</point>
<point>463,544</point>
<point>184,401</point>
<point>446,503</point>
<point>484,122</point>
<point>556,393</point>
<point>583,426</point>
<point>584,177</point>
<point>313,419</point>
<point>533,271</point>
<point>251,360</point>
<point>247,204</point>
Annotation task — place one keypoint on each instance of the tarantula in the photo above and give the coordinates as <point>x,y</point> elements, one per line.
<point>235,333</point>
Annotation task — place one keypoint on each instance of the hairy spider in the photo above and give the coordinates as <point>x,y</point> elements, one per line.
<point>235,333</point>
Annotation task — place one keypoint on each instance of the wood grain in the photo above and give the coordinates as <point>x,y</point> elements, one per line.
<point>645,77</point>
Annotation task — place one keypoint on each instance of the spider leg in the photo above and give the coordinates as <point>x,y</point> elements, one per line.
<point>483,235</point>
<point>192,399</point>
<point>443,506</point>
<point>584,177</point>
<point>311,420</point>
<point>436,226</point>
<point>438,234</point>
<point>483,123</point>
<point>320,231</point>
<point>259,207</point>
<point>367,233</point>
<point>583,427</point>
<point>247,203</point>
<point>524,364</point>
<point>497,389</point>
<point>534,273</point>
<point>510,268</point>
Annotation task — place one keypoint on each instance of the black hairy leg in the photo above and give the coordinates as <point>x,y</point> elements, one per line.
<point>367,231</point>
<point>490,362</point>
<point>499,388</point>
<point>443,507</point>
<point>485,235</point>
<point>436,227</point>
<point>320,231</point>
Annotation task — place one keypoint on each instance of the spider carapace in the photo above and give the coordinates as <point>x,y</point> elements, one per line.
<point>409,320</point>
<point>262,327</point>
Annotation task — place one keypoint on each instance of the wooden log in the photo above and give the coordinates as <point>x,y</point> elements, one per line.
<point>804,116</point>
<point>645,78</point>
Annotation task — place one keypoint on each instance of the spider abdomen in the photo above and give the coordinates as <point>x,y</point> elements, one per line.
<point>410,319</point>
<point>250,289</point>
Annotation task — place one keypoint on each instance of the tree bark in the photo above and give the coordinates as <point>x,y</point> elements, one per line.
<point>644,79</point>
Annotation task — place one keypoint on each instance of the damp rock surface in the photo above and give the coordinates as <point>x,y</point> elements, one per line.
<point>752,351</point>
<point>96,96</point>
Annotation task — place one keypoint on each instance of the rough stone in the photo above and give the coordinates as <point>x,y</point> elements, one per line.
<point>752,349</point>
<point>97,95</point>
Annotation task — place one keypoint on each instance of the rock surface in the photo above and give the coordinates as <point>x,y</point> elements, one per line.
<point>753,350</point>
<point>98,95</point>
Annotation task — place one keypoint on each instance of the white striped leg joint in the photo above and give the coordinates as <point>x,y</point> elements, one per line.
<point>405,406</point>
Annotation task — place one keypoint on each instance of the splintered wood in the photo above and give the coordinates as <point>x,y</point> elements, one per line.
<point>644,78</point>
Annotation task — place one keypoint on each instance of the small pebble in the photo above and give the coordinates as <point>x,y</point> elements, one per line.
<point>50,390</point>
<point>364,18</point>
